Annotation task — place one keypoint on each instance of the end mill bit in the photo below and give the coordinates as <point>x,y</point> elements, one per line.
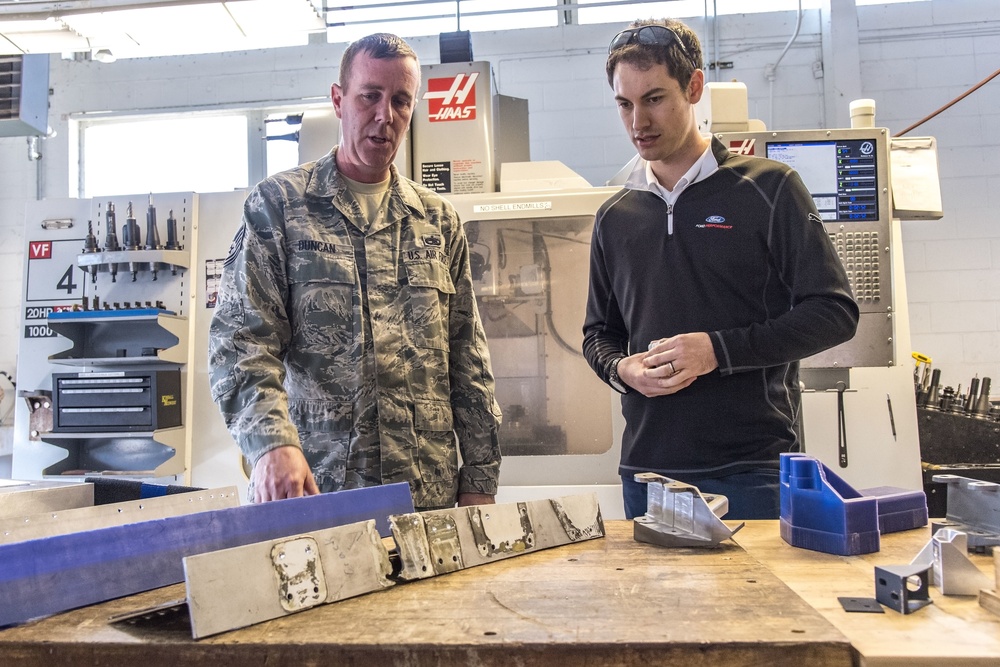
<point>152,235</point>
<point>130,235</point>
<point>90,245</point>
<point>172,243</point>
<point>111,239</point>
<point>970,402</point>
<point>983,405</point>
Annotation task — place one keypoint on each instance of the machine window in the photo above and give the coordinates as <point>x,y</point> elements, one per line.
<point>531,279</point>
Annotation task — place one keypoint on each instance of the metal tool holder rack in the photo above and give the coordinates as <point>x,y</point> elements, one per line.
<point>129,311</point>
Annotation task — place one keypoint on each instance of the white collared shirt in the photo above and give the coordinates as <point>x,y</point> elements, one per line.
<point>704,167</point>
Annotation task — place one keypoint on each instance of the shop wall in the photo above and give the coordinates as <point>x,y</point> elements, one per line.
<point>914,58</point>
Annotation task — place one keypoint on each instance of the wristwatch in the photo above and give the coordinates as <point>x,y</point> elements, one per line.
<point>613,379</point>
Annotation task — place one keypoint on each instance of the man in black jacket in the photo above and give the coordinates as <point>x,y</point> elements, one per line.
<point>711,276</point>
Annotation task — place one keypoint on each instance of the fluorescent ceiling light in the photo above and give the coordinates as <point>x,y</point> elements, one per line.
<point>185,28</point>
<point>261,17</point>
<point>48,36</point>
<point>157,26</point>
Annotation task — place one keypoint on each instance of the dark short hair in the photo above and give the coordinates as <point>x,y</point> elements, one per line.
<point>645,56</point>
<point>380,45</point>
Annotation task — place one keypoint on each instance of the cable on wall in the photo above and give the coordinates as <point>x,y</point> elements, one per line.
<point>950,104</point>
<point>769,71</point>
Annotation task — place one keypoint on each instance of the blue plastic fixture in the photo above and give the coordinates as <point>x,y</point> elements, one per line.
<point>822,512</point>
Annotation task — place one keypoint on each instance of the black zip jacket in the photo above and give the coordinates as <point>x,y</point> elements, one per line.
<point>749,262</point>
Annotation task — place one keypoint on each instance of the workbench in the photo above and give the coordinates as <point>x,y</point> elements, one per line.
<point>610,601</point>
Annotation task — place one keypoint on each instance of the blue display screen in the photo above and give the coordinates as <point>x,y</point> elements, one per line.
<point>841,175</point>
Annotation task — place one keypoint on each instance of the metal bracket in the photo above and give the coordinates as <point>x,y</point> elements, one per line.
<point>441,541</point>
<point>237,587</point>
<point>951,570</point>
<point>57,223</point>
<point>39,411</point>
<point>299,573</point>
<point>678,515</point>
<point>974,509</point>
<point>503,530</point>
<point>902,587</point>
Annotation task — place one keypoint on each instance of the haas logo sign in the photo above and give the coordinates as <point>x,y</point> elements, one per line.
<point>452,98</point>
<point>743,147</point>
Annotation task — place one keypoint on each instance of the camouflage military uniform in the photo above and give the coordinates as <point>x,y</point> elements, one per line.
<point>362,346</point>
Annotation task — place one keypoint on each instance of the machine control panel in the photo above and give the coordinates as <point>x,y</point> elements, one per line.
<point>862,253</point>
<point>847,173</point>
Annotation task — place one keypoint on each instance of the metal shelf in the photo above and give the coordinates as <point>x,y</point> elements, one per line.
<point>98,337</point>
<point>103,259</point>
<point>113,451</point>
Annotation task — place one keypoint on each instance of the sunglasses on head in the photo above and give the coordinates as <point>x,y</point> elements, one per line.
<point>650,35</point>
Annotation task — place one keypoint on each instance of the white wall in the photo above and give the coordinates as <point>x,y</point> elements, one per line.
<point>17,185</point>
<point>914,57</point>
<point>921,57</point>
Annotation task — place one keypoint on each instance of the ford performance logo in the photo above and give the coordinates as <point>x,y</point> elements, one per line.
<point>714,222</point>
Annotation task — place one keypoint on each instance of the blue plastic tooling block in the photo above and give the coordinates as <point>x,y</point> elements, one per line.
<point>822,512</point>
<point>52,574</point>
<point>898,509</point>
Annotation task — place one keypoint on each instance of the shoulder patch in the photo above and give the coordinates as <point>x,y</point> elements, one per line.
<point>236,246</point>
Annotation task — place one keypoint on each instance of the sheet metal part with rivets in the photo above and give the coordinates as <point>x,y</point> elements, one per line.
<point>63,522</point>
<point>299,573</point>
<point>441,541</point>
<point>283,576</point>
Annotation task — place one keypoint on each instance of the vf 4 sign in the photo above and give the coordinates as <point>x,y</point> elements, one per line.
<point>452,98</point>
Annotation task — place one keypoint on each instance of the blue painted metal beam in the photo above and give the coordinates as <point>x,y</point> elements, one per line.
<point>54,574</point>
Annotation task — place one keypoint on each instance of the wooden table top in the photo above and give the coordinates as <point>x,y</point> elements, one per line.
<point>953,628</point>
<point>611,601</point>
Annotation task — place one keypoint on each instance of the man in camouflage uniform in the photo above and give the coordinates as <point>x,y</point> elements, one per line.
<point>346,349</point>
